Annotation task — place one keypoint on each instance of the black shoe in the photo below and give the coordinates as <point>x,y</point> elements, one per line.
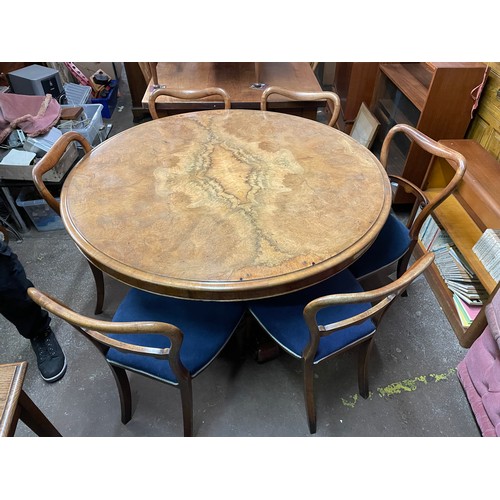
<point>50,358</point>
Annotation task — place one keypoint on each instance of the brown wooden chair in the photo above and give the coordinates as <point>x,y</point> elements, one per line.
<point>187,94</point>
<point>16,405</point>
<point>167,339</point>
<point>333,100</point>
<point>330,318</point>
<point>49,161</point>
<point>397,239</point>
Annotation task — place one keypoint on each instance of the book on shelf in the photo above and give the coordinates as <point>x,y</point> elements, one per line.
<point>458,276</point>
<point>487,250</point>
<point>466,312</point>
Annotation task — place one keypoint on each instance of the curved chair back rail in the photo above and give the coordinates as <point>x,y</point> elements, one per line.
<point>332,98</point>
<point>49,161</point>
<point>435,148</point>
<point>187,94</point>
<point>143,338</point>
<point>97,331</point>
<point>330,318</point>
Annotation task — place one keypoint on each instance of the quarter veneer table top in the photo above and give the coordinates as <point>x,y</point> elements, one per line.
<point>226,204</point>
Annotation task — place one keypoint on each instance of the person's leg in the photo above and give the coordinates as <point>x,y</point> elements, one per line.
<point>31,321</point>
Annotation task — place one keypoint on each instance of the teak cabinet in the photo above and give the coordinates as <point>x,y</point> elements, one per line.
<point>436,98</point>
<point>465,215</point>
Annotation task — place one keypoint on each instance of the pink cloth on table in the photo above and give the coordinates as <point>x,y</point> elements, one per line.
<point>33,114</point>
<point>479,373</point>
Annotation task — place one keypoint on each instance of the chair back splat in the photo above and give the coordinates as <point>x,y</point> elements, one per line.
<point>188,94</point>
<point>332,99</point>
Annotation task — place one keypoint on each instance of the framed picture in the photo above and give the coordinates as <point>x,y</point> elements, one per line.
<point>365,126</point>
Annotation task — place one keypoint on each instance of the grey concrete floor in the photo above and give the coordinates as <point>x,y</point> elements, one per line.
<point>414,387</point>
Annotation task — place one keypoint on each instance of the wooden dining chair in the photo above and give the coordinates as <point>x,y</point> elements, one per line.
<point>397,239</point>
<point>15,404</point>
<point>49,161</point>
<point>187,94</point>
<point>328,319</point>
<point>167,339</point>
<point>332,99</point>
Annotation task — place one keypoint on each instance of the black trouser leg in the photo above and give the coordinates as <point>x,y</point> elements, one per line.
<point>29,318</point>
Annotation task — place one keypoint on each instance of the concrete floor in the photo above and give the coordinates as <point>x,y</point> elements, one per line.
<point>414,387</point>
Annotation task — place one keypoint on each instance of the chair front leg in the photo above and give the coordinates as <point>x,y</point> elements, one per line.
<point>124,392</point>
<point>363,358</point>
<point>186,389</point>
<point>309,394</point>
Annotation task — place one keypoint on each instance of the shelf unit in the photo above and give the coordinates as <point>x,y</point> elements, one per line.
<point>434,97</point>
<point>465,215</point>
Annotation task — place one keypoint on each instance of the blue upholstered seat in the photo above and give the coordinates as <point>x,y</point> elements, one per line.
<point>207,326</point>
<point>391,244</point>
<point>282,317</point>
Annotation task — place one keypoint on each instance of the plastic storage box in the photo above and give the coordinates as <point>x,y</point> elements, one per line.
<point>76,95</point>
<point>108,103</point>
<point>89,124</point>
<point>42,216</point>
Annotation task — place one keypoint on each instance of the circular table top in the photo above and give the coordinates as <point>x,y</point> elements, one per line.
<point>226,204</point>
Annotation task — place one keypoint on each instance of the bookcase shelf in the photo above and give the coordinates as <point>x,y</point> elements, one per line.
<point>434,97</point>
<point>472,208</point>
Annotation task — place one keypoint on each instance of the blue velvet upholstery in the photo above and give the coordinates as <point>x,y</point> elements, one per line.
<point>283,319</point>
<point>390,245</point>
<point>206,326</point>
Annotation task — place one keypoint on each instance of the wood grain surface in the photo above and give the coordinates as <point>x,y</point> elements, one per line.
<point>226,204</point>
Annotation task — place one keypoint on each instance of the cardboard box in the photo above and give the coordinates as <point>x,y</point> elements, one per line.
<point>24,172</point>
<point>113,69</point>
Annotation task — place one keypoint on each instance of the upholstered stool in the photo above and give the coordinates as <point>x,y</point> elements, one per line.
<point>15,404</point>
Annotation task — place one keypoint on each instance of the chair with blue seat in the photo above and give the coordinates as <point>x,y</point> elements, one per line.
<point>163,338</point>
<point>330,318</point>
<point>397,239</point>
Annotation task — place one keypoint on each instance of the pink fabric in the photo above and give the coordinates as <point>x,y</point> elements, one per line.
<point>479,373</point>
<point>33,114</point>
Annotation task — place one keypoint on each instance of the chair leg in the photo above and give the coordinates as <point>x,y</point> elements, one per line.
<point>99,284</point>
<point>309,395</point>
<point>363,358</point>
<point>124,392</point>
<point>185,387</point>
<point>402,266</point>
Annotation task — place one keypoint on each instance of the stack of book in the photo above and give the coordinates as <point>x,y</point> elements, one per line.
<point>487,250</point>
<point>468,292</point>
<point>466,312</point>
<point>429,232</point>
